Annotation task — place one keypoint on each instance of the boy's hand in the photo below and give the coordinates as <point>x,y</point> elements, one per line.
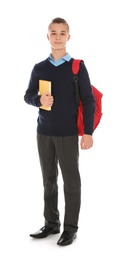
<point>46,99</point>
<point>86,142</point>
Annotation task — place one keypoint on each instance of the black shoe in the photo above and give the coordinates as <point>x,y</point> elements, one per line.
<point>66,238</point>
<point>45,231</point>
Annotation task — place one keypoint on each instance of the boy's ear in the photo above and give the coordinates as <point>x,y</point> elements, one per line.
<point>69,37</point>
<point>47,36</point>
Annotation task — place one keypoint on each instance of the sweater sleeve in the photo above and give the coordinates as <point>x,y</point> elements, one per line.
<point>87,98</point>
<point>31,96</point>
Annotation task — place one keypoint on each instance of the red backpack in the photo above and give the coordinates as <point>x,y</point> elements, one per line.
<point>98,101</point>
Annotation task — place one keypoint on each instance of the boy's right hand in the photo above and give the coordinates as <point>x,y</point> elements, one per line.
<point>46,99</point>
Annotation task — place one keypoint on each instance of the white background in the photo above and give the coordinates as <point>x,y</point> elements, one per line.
<point>98,35</point>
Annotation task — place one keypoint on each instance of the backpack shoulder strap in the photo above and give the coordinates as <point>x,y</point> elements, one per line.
<point>75,69</point>
<point>76,66</point>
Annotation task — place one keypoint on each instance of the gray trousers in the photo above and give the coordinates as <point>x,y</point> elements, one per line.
<point>62,150</point>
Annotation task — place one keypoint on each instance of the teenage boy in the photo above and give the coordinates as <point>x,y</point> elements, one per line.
<point>57,136</point>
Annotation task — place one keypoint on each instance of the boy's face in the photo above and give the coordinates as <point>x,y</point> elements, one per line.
<point>58,35</point>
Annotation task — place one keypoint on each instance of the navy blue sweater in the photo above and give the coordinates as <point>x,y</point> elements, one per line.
<point>61,120</point>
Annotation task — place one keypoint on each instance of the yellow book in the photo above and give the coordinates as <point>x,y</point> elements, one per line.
<point>44,86</point>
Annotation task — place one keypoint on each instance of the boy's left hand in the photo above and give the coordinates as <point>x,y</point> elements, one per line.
<point>86,142</point>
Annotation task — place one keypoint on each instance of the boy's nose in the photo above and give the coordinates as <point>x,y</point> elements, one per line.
<point>58,37</point>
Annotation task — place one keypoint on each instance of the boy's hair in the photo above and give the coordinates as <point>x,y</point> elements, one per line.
<point>59,20</point>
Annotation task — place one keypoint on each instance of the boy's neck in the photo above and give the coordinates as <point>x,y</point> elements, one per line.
<point>58,54</point>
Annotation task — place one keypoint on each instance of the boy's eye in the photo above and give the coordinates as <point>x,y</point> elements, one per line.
<point>54,33</point>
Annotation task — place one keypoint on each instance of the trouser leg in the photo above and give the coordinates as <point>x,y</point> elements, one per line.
<point>48,162</point>
<point>68,153</point>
